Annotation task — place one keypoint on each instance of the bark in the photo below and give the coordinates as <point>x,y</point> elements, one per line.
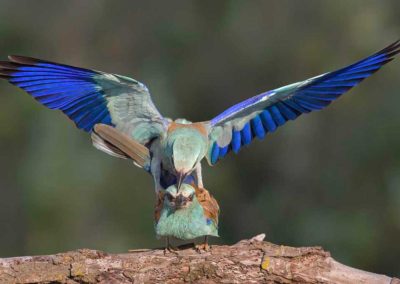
<point>249,261</point>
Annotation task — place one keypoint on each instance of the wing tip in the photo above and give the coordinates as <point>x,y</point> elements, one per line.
<point>8,68</point>
<point>8,65</point>
<point>18,61</point>
<point>24,60</point>
<point>391,50</point>
<point>6,77</point>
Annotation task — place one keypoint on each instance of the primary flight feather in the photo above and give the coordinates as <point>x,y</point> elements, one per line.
<point>120,115</point>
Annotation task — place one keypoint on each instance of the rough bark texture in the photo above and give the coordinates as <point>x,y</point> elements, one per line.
<point>249,261</point>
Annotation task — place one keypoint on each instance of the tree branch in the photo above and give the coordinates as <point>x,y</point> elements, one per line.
<point>249,261</point>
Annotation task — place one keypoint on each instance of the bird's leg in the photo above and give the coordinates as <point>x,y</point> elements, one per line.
<point>198,176</point>
<point>204,246</point>
<point>168,247</point>
<point>167,242</point>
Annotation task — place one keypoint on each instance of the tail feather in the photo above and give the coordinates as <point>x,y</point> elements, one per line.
<point>129,147</point>
<point>102,145</point>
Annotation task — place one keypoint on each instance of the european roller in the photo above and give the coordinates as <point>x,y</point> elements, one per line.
<point>124,122</point>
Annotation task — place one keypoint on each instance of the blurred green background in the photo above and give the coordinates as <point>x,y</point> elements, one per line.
<point>330,178</point>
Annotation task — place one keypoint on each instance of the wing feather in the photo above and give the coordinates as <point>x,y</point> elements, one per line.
<point>87,97</point>
<point>120,144</point>
<point>259,115</point>
<point>208,202</point>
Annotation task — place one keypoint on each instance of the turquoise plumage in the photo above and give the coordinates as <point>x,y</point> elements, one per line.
<point>124,122</point>
<point>188,222</point>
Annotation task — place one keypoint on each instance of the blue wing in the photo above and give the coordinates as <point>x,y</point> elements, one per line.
<point>259,115</point>
<point>86,96</point>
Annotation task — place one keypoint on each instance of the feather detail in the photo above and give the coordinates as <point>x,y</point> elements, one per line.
<point>72,90</point>
<point>87,97</point>
<point>255,117</point>
<point>199,126</point>
<point>102,145</point>
<point>136,151</point>
<point>208,202</point>
<point>159,205</point>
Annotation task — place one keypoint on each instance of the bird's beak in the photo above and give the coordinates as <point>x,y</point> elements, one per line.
<point>181,178</point>
<point>181,201</point>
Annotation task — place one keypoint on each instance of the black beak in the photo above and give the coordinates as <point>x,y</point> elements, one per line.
<point>181,178</point>
<point>181,201</point>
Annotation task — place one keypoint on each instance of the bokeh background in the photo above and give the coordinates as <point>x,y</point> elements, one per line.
<point>330,178</point>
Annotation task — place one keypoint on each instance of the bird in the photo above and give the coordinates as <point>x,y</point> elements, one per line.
<point>186,213</point>
<point>124,122</point>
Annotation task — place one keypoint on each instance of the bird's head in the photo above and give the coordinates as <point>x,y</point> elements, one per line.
<point>187,147</point>
<point>181,199</point>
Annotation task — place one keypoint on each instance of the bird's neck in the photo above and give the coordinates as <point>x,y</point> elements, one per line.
<point>188,138</point>
<point>197,131</point>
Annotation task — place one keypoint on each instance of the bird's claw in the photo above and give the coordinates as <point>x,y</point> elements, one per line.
<point>202,248</point>
<point>171,249</point>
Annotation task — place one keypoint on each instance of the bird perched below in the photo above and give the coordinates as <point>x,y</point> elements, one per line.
<point>187,213</point>
<point>172,151</point>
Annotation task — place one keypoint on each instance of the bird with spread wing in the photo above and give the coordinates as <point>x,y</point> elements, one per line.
<point>123,121</point>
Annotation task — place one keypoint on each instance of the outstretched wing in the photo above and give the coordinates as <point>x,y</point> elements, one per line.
<point>88,97</point>
<point>255,117</point>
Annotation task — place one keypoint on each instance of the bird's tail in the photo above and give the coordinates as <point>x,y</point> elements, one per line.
<point>108,139</point>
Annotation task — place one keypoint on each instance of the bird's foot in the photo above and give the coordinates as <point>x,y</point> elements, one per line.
<point>171,249</point>
<point>202,247</point>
